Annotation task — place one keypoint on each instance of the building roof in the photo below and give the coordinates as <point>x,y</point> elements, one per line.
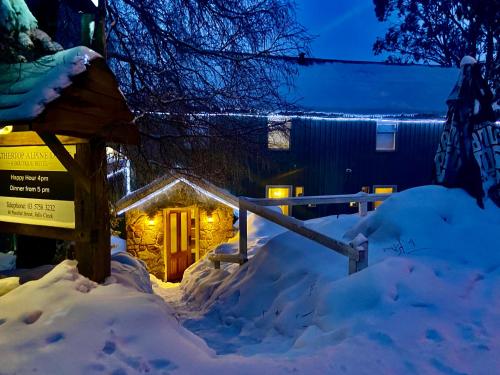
<point>365,88</point>
<point>72,92</point>
<point>163,184</point>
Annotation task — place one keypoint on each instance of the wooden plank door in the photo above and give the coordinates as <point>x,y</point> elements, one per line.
<point>178,243</point>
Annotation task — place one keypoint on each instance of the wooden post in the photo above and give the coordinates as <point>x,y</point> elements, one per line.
<point>243,234</point>
<point>363,208</point>
<point>92,213</point>
<point>360,244</point>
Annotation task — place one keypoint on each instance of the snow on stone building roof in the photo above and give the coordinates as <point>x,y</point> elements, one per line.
<point>166,182</point>
<point>364,88</point>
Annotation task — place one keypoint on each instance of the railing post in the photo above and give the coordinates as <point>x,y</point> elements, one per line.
<point>243,234</point>
<point>363,208</point>
<point>360,244</point>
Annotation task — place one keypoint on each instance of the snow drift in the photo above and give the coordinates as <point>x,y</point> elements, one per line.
<point>427,303</point>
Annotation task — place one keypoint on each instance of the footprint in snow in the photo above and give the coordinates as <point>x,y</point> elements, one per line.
<point>381,338</point>
<point>162,364</point>
<point>109,347</point>
<point>31,317</point>
<point>56,337</point>
<point>433,335</point>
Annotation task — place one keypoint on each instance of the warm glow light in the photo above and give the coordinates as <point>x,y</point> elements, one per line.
<point>277,192</point>
<point>6,130</point>
<point>210,219</point>
<point>382,190</point>
<point>151,221</point>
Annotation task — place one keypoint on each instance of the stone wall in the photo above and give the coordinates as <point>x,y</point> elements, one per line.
<point>145,240</point>
<point>217,230</point>
<point>145,234</point>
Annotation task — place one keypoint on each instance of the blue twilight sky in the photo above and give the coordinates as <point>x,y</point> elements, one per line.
<point>345,29</point>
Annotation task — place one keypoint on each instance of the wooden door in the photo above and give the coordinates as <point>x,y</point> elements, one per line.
<point>178,243</point>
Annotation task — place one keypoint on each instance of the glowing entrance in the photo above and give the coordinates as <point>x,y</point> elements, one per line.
<point>177,243</point>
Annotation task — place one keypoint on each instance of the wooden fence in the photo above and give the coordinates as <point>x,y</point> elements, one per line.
<point>356,250</point>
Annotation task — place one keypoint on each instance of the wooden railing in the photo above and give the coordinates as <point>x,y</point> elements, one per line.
<point>356,250</point>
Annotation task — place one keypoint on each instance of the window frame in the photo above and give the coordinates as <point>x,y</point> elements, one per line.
<point>386,123</point>
<point>287,122</point>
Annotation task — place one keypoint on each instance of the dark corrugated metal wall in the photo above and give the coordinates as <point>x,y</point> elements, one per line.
<point>339,157</point>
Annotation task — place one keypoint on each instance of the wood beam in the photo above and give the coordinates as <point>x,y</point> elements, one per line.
<point>39,231</point>
<point>92,213</point>
<point>321,199</point>
<point>66,160</point>
<point>298,226</point>
<point>31,138</point>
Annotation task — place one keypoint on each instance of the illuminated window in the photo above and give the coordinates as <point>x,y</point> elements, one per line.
<point>386,136</point>
<point>278,192</point>
<point>299,191</point>
<point>383,189</point>
<point>278,133</point>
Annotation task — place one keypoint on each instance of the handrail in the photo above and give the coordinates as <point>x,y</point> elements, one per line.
<point>356,250</point>
<point>320,199</point>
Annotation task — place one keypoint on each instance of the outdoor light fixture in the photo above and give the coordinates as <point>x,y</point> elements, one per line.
<point>151,221</point>
<point>210,218</point>
<point>6,130</point>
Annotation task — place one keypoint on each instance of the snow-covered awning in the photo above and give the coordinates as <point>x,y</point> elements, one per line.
<point>72,92</point>
<point>364,88</point>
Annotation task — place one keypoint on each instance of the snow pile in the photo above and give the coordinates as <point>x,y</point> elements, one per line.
<point>64,323</point>
<point>129,271</point>
<point>428,303</point>
<point>201,279</point>
<point>7,261</point>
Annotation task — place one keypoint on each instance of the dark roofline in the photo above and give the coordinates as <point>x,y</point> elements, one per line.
<point>318,60</point>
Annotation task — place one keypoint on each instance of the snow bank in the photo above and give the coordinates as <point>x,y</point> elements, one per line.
<point>428,302</point>
<point>65,323</point>
<point>201,279</point>
<point>129,271</point>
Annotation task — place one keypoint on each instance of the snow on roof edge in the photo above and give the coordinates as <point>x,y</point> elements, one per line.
<point>27,88</point>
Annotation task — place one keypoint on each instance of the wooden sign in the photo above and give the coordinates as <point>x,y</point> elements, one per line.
<point>35,187</point>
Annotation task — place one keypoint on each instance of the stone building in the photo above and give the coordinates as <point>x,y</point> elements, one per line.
<point>174,221</point>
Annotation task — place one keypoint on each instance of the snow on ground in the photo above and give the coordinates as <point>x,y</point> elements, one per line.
<point>428,303</point>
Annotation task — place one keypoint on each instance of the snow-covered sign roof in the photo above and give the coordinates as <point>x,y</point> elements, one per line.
<point>74,90</point>
<point>167,182</point>
<point>333,86</point>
